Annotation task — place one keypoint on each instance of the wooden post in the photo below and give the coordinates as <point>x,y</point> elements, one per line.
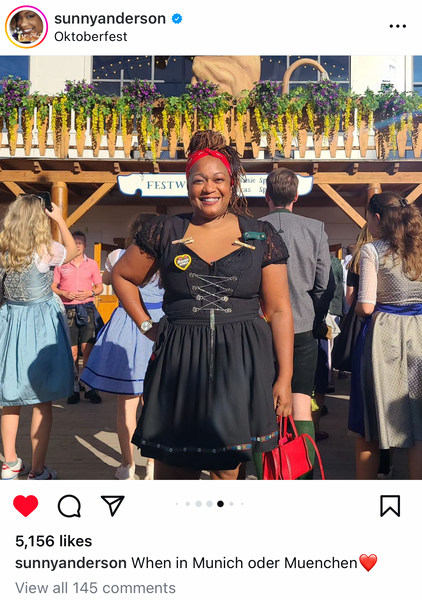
<point>59,195</point>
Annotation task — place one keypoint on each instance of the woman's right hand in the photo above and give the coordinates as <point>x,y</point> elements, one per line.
<point>152,333</point>
<point>55,214</point>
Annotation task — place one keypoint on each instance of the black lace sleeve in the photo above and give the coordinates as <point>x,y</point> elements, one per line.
<point>276,252</point>
<point>149,236</point>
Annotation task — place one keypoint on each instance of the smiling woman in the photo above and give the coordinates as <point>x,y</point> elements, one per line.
<point>212,388</point>
<point>26,26</point>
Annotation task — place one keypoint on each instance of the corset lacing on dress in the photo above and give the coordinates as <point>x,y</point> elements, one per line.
<point>214,295</point>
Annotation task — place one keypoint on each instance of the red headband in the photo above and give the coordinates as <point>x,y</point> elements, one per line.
<point>195,156</point>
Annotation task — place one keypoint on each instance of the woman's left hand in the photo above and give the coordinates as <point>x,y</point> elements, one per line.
<point>282,394</point>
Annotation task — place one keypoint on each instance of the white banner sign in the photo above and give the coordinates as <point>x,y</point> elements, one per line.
<point>160,185</point>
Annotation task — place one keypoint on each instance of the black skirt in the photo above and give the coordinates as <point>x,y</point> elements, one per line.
<point>344,344</point>
<point>208,394</point>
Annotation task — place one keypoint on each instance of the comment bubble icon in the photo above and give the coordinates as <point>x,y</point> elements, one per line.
<point>69,506</point>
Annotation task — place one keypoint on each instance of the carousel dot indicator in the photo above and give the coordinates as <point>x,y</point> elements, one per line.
<point>209,503</point>
<point>187,503</point>
<point>177,18</point>
<point>198,503</point>
<point>231,503</point>
<point>220,504</point>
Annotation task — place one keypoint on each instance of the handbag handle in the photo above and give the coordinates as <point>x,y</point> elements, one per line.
<point>283,426</point>
<point>306,435</point>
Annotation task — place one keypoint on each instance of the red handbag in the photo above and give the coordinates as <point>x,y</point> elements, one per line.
<point>290,459</point>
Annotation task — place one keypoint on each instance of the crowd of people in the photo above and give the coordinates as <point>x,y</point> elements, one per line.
<point>225,324</point>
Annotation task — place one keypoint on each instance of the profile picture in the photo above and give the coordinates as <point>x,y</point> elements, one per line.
<point>26,26</point>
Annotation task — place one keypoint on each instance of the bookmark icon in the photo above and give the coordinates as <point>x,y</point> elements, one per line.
<point>113,503</point>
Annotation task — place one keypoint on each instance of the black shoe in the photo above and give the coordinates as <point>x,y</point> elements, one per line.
<point>74,398</point>
<point>93,397</point>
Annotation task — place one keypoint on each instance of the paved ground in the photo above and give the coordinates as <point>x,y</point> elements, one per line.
<point>84,442</point>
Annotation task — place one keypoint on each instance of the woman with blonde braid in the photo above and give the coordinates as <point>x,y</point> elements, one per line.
<point>211,388</point>
<point>390,297</point>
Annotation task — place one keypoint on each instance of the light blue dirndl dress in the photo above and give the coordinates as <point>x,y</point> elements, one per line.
<point>120,357</point>
<point>36,362</point>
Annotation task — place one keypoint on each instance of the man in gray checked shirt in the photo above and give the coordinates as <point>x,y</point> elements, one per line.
<point>311,288</point>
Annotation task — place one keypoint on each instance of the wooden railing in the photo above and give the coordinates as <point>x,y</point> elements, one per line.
<point>52,141</point>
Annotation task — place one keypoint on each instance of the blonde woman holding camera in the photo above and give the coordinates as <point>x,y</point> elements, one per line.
<point>36,365</point>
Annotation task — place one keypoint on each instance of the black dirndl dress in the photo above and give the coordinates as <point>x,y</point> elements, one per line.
<point>208,400</point>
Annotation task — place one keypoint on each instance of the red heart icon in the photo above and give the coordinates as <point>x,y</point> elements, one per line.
<point>368,562</point>
<point>25,505</point>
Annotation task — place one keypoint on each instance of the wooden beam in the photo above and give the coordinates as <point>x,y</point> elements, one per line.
<point>345,206</point>
<point>101,177</point>
<point>400,178</point>
<point>415,194</point>
<point>14,188</point>
<point>89,203</point>
<point>55,176</point>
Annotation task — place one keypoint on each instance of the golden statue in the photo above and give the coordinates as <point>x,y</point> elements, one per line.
<point>232,73</point>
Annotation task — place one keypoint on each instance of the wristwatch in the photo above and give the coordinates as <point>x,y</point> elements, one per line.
<point>93,293</point>
<point>146,326</point>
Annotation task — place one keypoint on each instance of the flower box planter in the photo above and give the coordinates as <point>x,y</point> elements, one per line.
<point>348,140</point>
<point>417,135</point>
<point>302,133</point>
<point>401,141</point>
<point>382,143</point>
<point>80,142</point>
<point>271,144</point>
<point>127,134</point>
<point>231,115</point>
<point>96,143</point>
<point>333,143</point>
<point>111,124</point>
<point>363,137</point>
<point>302,141</point>
<point>172,139</point>
<point>239,136</point>
<point>255,134</point>
<point>12,137</point>
<point>61,137</point>
<point>27,131</point>
<point>287,141</point>
<point>42,136</point>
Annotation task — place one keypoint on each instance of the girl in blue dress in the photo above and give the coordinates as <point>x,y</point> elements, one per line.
<point>119,359</point>
<point>36,364</point>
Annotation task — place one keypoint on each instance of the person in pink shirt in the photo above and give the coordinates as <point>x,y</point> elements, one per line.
<point>77,283</point>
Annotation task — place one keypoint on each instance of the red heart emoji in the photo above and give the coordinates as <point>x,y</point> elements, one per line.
<point>368,562</point>
<point>25,505</point>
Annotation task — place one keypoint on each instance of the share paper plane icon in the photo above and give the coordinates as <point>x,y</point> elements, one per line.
<point>113,502</point>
